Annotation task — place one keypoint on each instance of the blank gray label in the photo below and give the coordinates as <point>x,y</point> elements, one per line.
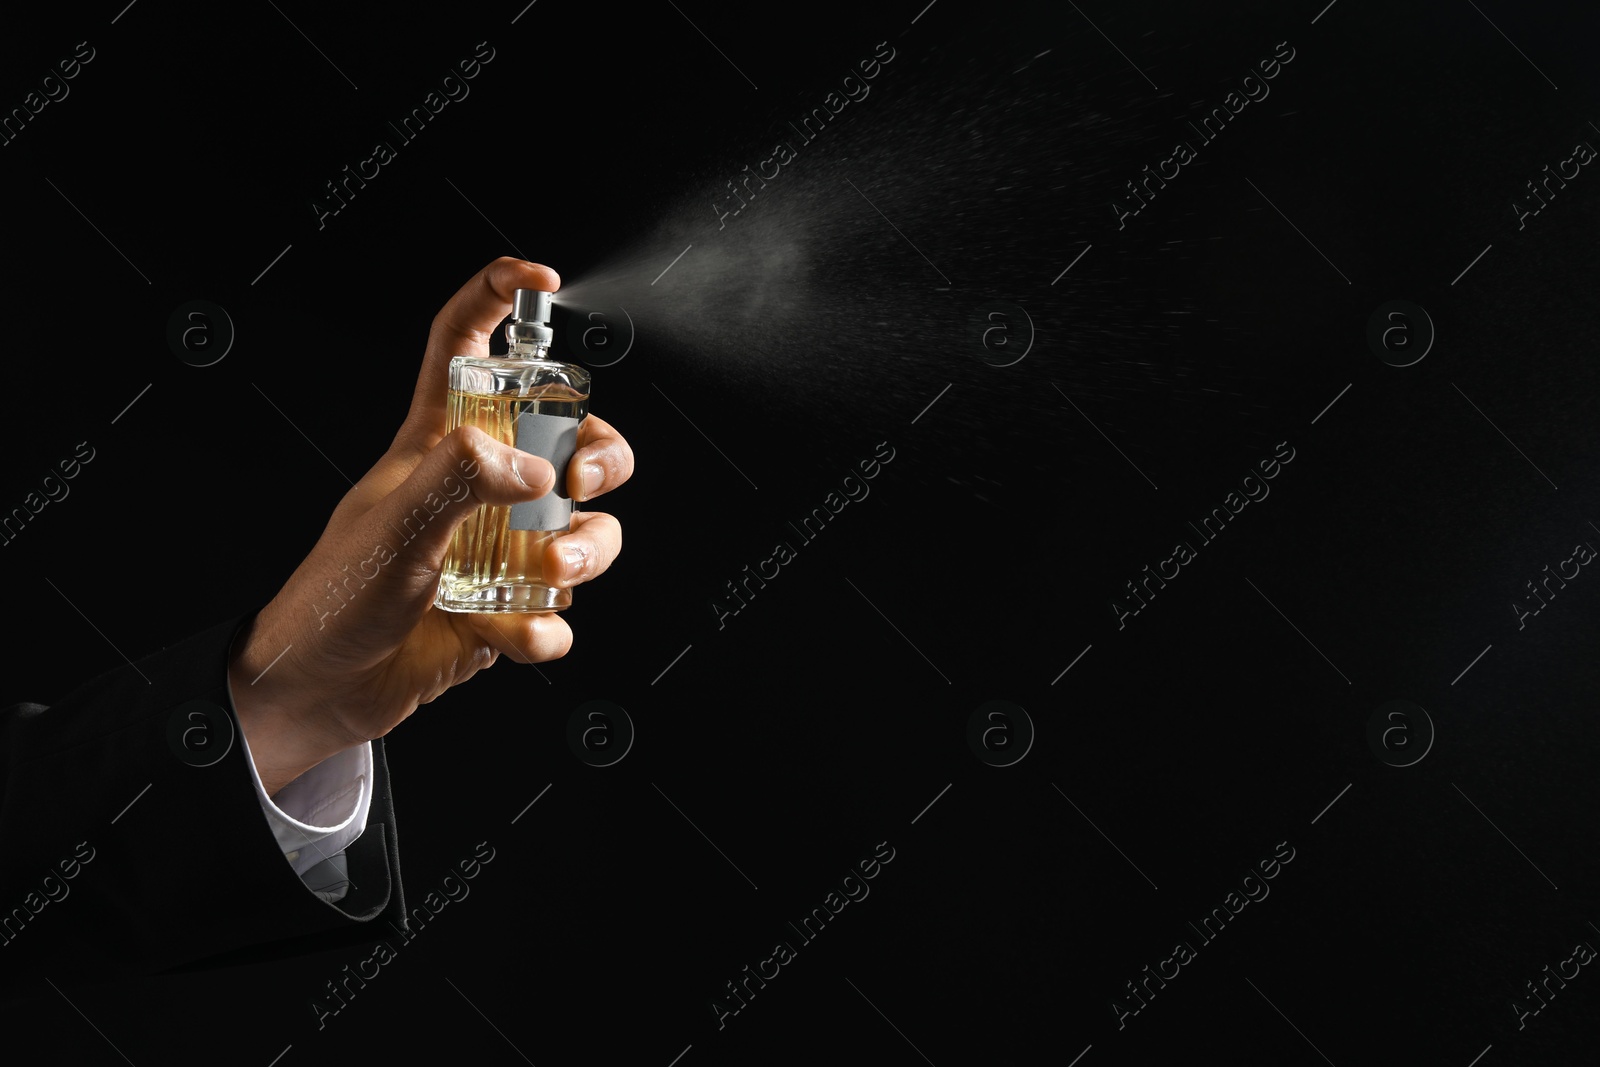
<point>555,437</point>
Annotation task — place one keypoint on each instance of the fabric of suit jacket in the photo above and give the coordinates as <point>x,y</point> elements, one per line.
<point>124,851</point>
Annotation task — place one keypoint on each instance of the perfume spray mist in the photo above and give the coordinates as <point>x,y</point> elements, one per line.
<point>496,558</point>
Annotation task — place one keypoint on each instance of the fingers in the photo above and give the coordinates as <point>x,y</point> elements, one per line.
<point>576,557</point>
<point>524,638</point>
<point>585,552</point>
<point>602,462</point>
<point>463,327</point>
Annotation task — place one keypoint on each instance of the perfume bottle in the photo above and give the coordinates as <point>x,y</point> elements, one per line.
<point>495,562</point>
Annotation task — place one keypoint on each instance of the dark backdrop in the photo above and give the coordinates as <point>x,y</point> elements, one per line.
<point>1441,848</point>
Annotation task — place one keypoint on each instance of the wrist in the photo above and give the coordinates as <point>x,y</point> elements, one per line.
<point>279,717</point>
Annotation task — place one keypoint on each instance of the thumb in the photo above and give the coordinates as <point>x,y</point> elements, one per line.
<point>463,472</point>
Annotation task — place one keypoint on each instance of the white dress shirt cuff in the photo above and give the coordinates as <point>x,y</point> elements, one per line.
<point>318,815</point>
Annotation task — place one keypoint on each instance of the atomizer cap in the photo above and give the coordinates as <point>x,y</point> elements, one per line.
<point>530,317</point>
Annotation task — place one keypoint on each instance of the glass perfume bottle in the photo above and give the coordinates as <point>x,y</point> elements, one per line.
<point>495,562</point>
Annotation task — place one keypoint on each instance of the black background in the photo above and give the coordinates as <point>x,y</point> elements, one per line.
<point>827,715</point>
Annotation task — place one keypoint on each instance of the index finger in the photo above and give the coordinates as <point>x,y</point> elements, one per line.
<point>603,460</point>
<point>463,327</point>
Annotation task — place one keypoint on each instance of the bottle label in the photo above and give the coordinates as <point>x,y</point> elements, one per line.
<point>555,437</point>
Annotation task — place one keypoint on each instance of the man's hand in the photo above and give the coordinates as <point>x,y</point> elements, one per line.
<point>314,674</point>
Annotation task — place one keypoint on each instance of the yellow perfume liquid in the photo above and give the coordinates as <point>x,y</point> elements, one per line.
<point>490,566</point>
<point>496,559</point>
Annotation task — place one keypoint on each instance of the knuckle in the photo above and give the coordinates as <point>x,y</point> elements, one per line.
<point>608,543</point>
<point>615,463</point>
<point>471,444</point>
<point>472,452</point>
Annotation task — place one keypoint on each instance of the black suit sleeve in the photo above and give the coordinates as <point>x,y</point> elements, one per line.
<point>132,839</point>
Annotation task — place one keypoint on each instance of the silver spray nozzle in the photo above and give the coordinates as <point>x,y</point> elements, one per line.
<point>530,318</point>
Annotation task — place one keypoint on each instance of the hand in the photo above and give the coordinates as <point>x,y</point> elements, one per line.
<point>354,665</point>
